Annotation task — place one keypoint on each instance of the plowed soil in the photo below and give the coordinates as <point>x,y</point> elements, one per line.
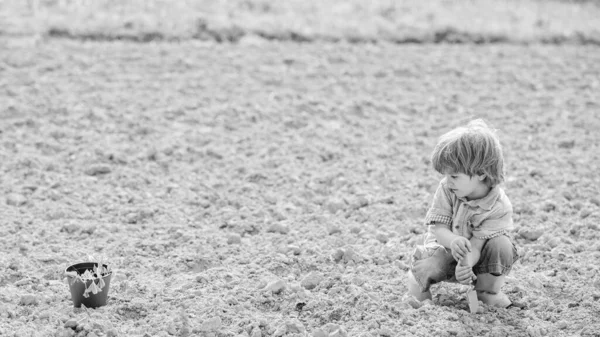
<point>278,189</point>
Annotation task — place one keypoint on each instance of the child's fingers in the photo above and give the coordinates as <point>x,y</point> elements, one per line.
<point>469,246</point>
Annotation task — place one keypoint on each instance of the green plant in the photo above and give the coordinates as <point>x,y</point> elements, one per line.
<point>100,270</point>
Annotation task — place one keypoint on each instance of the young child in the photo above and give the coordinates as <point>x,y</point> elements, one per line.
<point>468,219</point>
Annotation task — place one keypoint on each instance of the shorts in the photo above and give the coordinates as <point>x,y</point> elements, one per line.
<point>433,264</point>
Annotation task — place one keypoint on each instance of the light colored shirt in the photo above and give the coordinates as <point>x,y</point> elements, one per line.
<point>484,218</point>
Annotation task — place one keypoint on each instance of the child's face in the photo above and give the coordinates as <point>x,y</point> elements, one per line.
<point>467,187</point>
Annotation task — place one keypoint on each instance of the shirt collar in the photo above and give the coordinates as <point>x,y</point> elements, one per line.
<point>486,202</point>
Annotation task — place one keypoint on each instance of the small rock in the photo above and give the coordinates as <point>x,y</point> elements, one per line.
<point>71,323</point>
<point>561,325</point>
<point>112,333</point>
<point>172,330</point>
<point>256,332</point>
<point>337,255</point>
<point>14,199</point>
<point>71,228</point>
<point>211,324</point>
<point>28,299</point>
<point>333,229</point>
<point>65,333</point>
<point>91,334</point>
<point>295,326</point>
<point>234,239</point>
<point>553,242</point>
<point>385,332</point>
<point>280,331</point>
<point>333,206</point>
<point>276,286</point>
<point>381,237</point>
<point>319,333</point>
<point>585,213</point>
<point>350,255</point>
<point>23,282</point>
<point>533,172</point>
<point>97,169</point>
<point>531,234</point>
<point>278,228</point>
<point>341,332</point>
<point>549,206</point>
<point>311,280</point>
<point>566,144</point>
<point>294,249</point>
<point>355,229</point>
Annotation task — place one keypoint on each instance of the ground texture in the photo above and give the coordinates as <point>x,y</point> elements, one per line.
<point>278,189</point>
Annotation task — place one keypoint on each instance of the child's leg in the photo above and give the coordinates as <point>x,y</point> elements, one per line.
<point>497,257</point>
<point>430,265</point>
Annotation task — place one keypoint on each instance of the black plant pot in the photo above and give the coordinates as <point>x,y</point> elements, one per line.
<point>78,287</point>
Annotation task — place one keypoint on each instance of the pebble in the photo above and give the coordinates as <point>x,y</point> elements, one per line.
<point>381,237</point>
<point>531,234</point>
<point>350,255</point>
<point>234,239</point>
<point>211,324</point>
<point>15,199</point>
<point>295,326</point>
<point>566,144</point>
<point>71,323</point>
<point>330,328</point>
<point>333,229</point>
<point>111,333</point>
<point>333,206</point>
<point>319,333</point>
<point>28,299</point>
<point>554,242</point>
<point>97,169</point>
<point>276,286</point>
<point>65,333</point>
<point>339,333</point>
<point>338,255</point>
<point>385,332</point>
<point>295,249</point>
<point>311,280</point>
<point>278,228</point>
<point>71,228</point>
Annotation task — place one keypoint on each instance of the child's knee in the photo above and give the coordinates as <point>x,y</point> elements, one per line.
<point>497,257</point>
<point>502,247</point>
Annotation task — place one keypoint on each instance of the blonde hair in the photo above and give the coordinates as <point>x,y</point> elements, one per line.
<point>473,149</point>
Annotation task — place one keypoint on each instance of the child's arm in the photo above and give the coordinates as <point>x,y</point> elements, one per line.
<point>459,245</point>
<point>464,271</point>
<point>475,253</point>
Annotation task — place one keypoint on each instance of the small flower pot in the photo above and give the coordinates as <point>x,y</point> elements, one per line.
<point>78,286</point>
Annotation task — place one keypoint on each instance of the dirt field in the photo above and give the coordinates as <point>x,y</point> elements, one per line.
<point>278,189</point>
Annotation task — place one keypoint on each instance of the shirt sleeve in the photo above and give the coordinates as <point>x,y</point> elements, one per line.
<point>497,223</point>
<point>440,211</point>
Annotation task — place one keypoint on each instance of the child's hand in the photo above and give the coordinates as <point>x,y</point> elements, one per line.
<point>460,247</point>
<point>464,274</point>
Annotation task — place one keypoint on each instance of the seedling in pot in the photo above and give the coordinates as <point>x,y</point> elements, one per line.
<point>96,275</point>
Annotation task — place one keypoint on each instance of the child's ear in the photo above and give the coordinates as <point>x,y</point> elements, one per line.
<point>481,177</point>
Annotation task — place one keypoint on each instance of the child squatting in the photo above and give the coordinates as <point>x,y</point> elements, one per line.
<point>468,220</point>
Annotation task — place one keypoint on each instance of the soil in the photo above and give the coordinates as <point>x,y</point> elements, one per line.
<point>278,189</point>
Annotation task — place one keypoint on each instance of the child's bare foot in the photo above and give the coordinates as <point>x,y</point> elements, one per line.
<point>488,290</point>
<point>498,300</point>
<point>414,289</point>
